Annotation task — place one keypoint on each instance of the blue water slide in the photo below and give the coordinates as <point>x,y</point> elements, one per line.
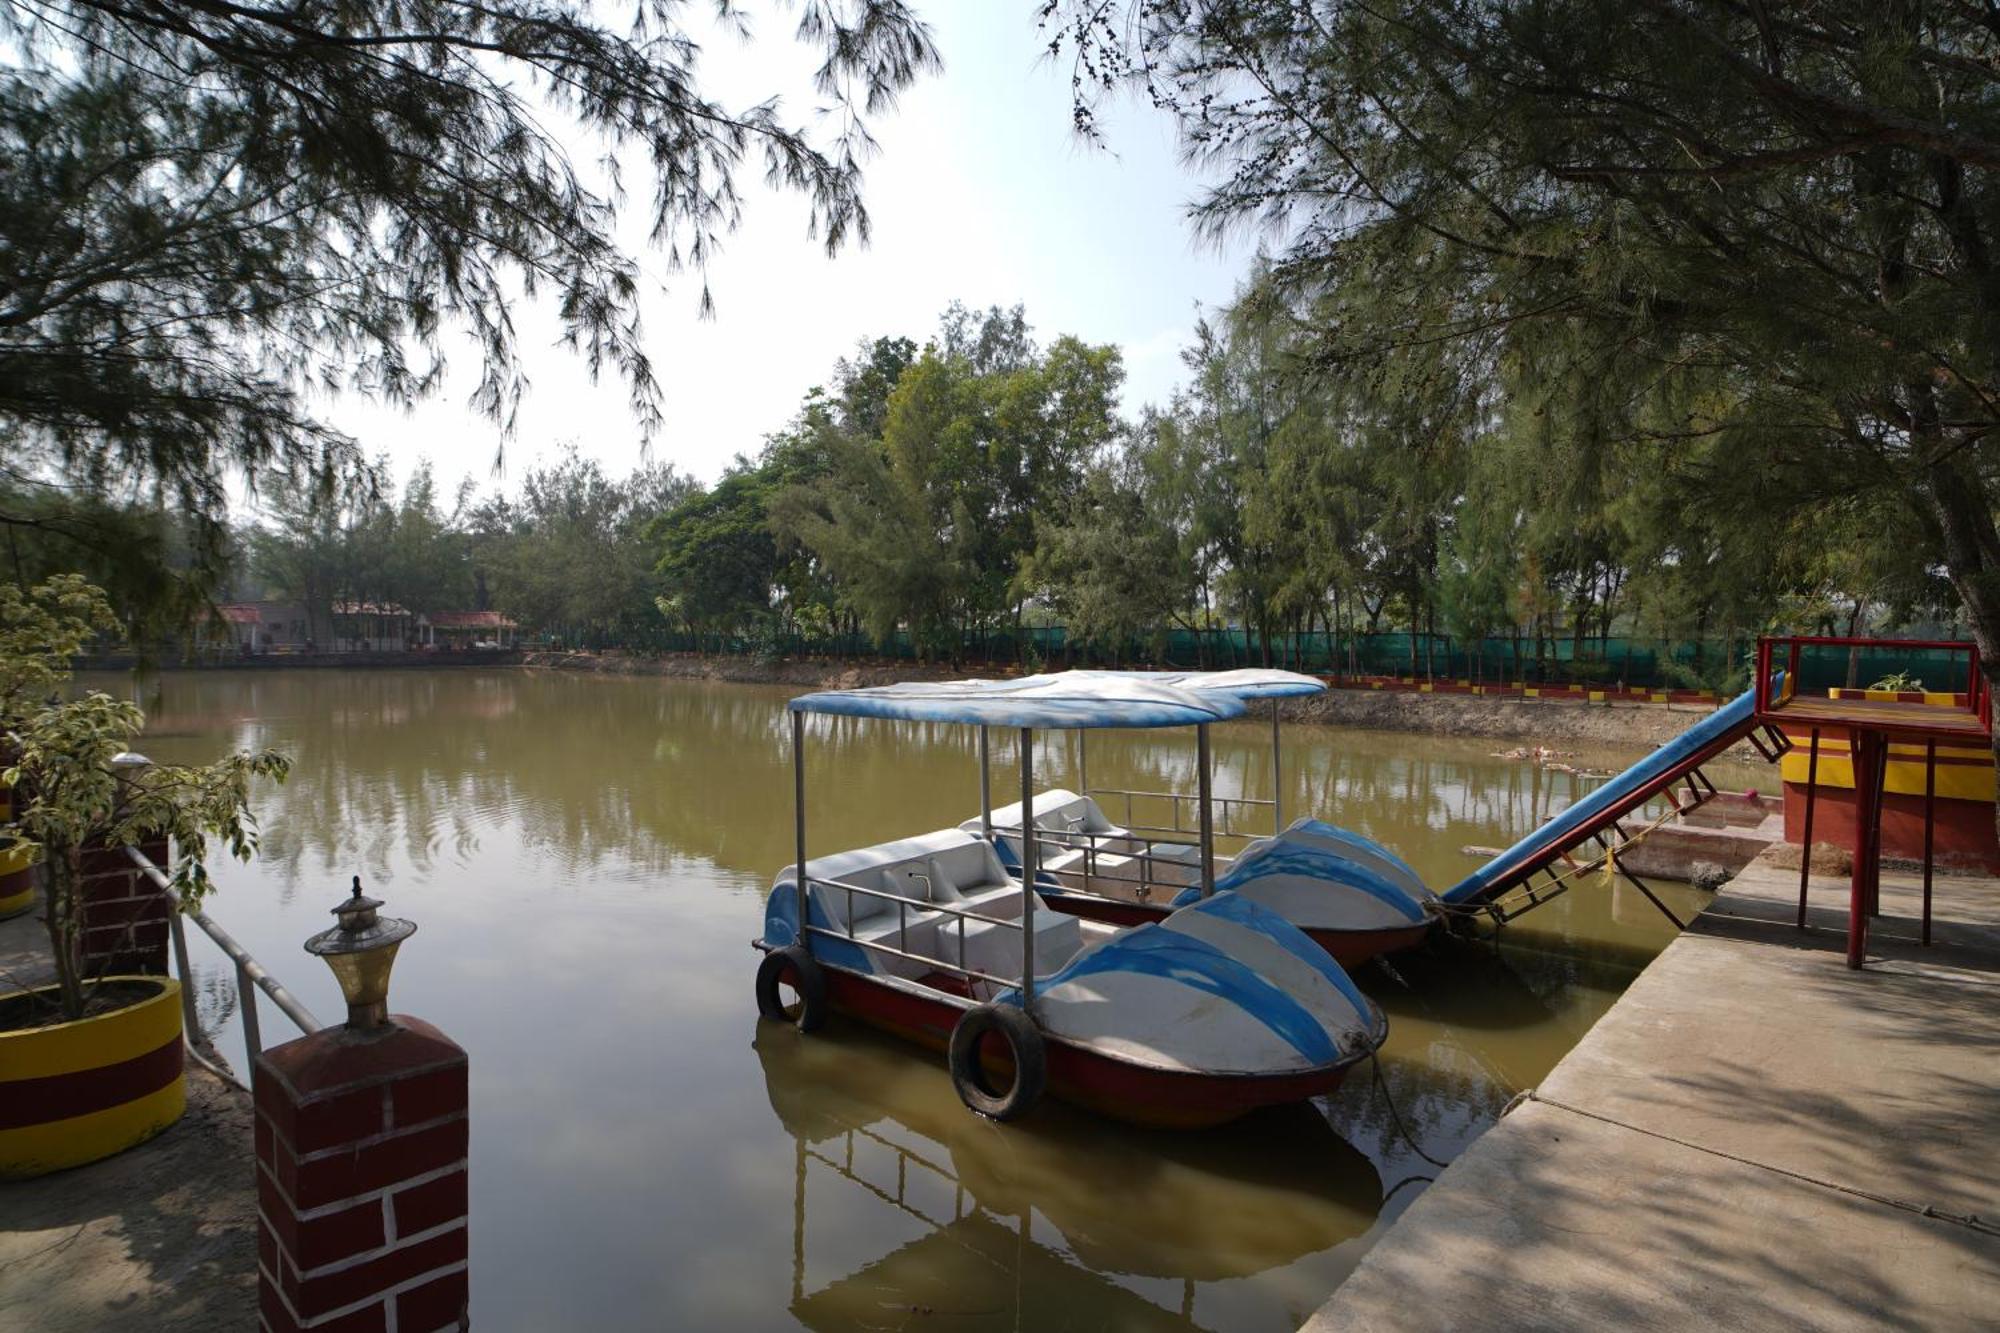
<point>1612,801</point>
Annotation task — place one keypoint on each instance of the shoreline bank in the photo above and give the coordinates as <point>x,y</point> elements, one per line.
<point>1620,722</point>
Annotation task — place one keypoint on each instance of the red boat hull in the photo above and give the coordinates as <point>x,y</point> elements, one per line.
<point>1116,1088</point>
<point>1348,947</point>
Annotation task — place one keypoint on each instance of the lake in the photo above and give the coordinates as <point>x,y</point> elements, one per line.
<point>586,858</point>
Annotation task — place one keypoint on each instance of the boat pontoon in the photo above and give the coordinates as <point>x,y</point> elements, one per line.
<point>1352,896</point>
<point>1194,1019</point>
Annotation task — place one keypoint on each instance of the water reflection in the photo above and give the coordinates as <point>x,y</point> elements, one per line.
<point>588,858</point>
<point>408,768</point>
<point>1021,1224</point>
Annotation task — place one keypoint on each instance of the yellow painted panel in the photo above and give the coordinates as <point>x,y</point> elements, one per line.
<point>1531,694</point>
<point>1596,697</point>
<point>1955,782</point>
<point>91,1043</point>
<point>34,1150</point>
<point>1421,689</point>
<point>1940,700</point>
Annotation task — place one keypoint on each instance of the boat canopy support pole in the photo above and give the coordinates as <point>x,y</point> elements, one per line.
<point>1029,863</point>
<point>1083,763</point>
<point>1277,774</point>
<point>1203,791</point>
<point>799,885</point>
<point>985,787</point>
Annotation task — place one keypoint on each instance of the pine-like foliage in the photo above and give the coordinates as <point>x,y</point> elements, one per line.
<point>210,209</point>
<point>1745,251</point>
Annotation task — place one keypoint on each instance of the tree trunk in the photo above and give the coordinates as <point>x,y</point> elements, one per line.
<point>62,877</point>
<point>1854,654</point>
<point>1964,514</point>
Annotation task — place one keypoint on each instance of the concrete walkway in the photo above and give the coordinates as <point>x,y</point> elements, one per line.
<point>161,1237</point>
<point>1748,1139</point>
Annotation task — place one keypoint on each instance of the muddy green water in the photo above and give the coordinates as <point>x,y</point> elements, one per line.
<point>587,859</point>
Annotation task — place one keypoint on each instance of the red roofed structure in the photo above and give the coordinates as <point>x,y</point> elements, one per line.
<point>466,629</point>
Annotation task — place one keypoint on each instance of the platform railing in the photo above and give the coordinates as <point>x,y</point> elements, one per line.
<point>251,976</point>
<point>1978,698</point>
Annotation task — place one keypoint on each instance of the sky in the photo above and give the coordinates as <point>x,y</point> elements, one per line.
<point>981,193</point>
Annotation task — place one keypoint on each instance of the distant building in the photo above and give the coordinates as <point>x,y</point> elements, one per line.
<point>263,627</point>
<point>371,627</point>
<point>235,627</point>
<point>256,628</point>
<point>466,630</point>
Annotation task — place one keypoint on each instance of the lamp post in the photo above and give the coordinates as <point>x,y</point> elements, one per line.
<point>367,1126</point>
<point>361,950</point>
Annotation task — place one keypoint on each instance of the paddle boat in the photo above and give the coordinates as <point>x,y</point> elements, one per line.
<point>1191,1020</point>
<point>1350,895</point>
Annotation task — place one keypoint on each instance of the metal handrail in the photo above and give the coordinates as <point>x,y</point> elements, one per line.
<point>1227,803</point>
<point>250,974</point>
<point>1177,796</point>
<point>1143,853</point>
<point>903,904</point>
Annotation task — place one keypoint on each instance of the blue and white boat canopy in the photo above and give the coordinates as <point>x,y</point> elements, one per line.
<point>1066,700</point>
<point>1244,683</point>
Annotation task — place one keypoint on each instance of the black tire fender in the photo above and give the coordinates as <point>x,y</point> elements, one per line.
<point>1024,1043</point>
<point>794,966</point>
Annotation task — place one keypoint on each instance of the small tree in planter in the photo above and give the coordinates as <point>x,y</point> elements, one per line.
<point>70,794</point>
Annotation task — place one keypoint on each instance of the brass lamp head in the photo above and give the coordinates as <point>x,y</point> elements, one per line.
<point>361,950</point>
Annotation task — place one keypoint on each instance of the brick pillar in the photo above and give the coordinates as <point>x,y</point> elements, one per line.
<point>124,915</point>
<point>361,1181</point>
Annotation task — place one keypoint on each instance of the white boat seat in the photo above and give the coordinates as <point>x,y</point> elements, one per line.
<point>1060,816</point>
<point>948,868</point>
<point>996,950</point>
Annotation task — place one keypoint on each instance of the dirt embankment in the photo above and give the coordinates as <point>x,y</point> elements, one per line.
<point>1543,720</point>
<point>1539,720</point>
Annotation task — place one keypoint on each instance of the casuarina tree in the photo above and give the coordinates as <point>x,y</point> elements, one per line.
<point>211,210</point>
<point>1748,247</point>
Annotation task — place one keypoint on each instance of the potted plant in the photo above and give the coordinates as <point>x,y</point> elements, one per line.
<point>91,1065</point>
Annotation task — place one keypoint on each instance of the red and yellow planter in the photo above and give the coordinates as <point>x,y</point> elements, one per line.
<point>72,1093</point>
<point>17,869</point>
<point>17,883</point>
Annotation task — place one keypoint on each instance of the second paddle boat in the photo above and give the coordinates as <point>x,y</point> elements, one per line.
<point>1350,895</point>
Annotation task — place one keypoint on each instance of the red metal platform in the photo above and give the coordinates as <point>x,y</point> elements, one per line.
<point>1870,723</point>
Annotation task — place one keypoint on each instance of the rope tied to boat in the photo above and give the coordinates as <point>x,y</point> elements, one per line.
<point>1971,1221</point>
<point>1395,1116</point>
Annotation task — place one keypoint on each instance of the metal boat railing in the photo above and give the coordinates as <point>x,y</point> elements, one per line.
<point>1095,845</point>
<point>251,976</point>
<point>903,906</point>
<point>1224,804</point>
